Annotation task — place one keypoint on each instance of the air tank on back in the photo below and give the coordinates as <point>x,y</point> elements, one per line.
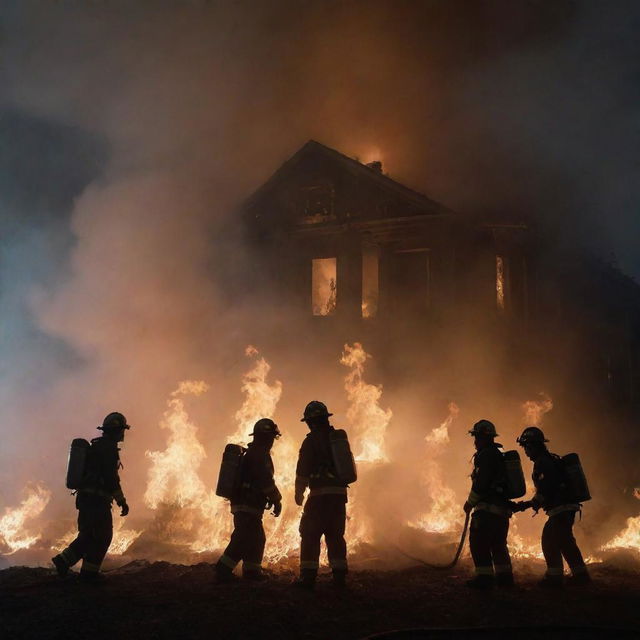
<point>77,462</point>
<point>575,478</point>
<point>342,457</point>
<point>516,486</point>
<point>229,477</point>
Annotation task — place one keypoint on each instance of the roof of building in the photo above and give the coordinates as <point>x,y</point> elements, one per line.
<point>419,202</point>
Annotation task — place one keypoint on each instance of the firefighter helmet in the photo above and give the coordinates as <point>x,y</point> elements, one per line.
<point>484,428</point>
<point>267,427</point>
<point>531,435</point>
<point>315,409</point>
<point>114,421</point>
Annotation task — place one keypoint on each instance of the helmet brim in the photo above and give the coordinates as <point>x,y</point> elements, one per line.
<point>275,435</point>
<point>475,433</point>
<point>324,415</point>
<point>524,443</point>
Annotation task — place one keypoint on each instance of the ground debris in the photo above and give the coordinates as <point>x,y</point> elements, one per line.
<point>162,600</point>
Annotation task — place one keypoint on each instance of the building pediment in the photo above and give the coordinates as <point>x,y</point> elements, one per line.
<point>320,187</point>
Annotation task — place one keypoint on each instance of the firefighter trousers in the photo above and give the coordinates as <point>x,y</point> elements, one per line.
<point>323,515</point>
<point>95,531</point>
<point>246,544</point>
<point>488,543</point>
<point>558,542</point>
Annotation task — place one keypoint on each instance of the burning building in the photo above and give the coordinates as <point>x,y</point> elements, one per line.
<point>351,243</point>
<point>355,252</point>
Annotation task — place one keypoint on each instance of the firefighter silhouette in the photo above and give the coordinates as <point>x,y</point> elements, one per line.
<point>98,488</point>
<point>325,509</point>
<point>491,511</point>
<point>256,493</point>
<point>555,495</point>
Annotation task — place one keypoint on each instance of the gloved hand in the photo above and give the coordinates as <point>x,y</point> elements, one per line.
<point>277,509</point>
<point>124,509</point>
<point>521,506</point>
<point>299,497</point>
<point>467,507</point>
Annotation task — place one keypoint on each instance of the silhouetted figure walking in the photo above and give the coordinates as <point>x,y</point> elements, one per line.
<point>491,511</point>
<point>325,509</point>
<point>257,492</point>
<point>553,494</point>
<point>99,487</point>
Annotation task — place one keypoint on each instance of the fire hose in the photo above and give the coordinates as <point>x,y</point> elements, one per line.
<point>451,564</point>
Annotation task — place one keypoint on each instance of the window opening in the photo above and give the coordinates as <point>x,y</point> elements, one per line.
<point>323,286</point>
<point>370,281</point>
<point>501,282</point>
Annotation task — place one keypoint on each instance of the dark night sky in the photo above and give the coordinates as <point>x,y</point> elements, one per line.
<point>526,109</point>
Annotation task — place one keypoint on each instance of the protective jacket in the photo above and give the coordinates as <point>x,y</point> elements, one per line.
<point>103,464</point>
<point>488,481</point>
<point>552,493</point>
<point>315,467</point>
<point>258,487</point>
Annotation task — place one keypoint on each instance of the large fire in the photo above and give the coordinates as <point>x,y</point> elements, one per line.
<point>14,524</point>
<point>188,518</point>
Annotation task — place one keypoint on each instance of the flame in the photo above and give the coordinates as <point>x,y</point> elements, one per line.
<point>122,538</point>
<point>628,538</point>
<point>261,398</point>
<point>173,475</point>
<point>324,286</point>
<point>367,419</point>
<point>520,547</point>
<point>185,513</point>
<point>13,533</point>
<point>445,513</point>
<point>535,410</point>
<point>371,153</point>
<point>500,283</point>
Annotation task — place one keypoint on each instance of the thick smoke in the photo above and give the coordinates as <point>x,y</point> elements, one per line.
<point>130,136</point>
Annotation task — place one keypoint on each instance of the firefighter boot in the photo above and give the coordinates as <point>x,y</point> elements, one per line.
<point>504,580</point>
<point>339,579</point>
<point>224,574</point>
<point>307,579</point>
<point>93,578</point>
<point>255,575</point>
<point>481,582</point>
<point>61,565</point>
<point>579,578</point>
<point>552,582</point>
